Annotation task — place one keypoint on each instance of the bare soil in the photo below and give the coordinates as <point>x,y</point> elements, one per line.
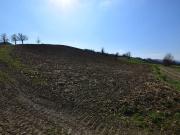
<point>62,90</point>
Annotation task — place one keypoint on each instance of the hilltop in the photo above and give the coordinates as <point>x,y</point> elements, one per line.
<point>56,89</point>
<point>8,43</point>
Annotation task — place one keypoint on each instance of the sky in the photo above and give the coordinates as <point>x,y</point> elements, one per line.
<point>146,28</point>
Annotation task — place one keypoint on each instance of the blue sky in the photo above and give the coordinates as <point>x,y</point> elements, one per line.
<point>147,28</point>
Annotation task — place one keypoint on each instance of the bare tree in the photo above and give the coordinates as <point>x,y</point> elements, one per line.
<point>38,41</point>
<point>102,51</point>
<point>14,38</point>
<point>4,38</point>
<point>22,37</point>
<point>168,60</point>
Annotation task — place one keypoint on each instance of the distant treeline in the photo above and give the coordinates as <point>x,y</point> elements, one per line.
<point>167,61</point>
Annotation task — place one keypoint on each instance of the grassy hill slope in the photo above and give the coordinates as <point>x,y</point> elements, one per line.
<point>63,90</point>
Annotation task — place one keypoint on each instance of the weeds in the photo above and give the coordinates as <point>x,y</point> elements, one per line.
<point>139,120</point>
<point>14,64</point>
<point>157,117</point>
<point>132,60</point>
<point>163,77</point>
<point>5,57</point>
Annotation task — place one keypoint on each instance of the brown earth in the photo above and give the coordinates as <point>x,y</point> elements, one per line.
<point>62,90</point>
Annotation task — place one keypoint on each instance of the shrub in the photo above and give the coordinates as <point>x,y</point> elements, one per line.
<point>116,55</point>
<point>128,55</point>
<point>168,60</point>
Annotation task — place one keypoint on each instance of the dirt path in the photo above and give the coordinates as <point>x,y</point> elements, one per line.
<point>172,73</point>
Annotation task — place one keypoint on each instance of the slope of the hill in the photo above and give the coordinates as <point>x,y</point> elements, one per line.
<point>63,90</point>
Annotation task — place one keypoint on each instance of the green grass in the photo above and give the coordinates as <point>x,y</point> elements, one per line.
<point>162,120</point>
<point>14,64</point>
<point>175,83</point>
<point>163,77</point>
<point>9,62</point>
<point>152,119</point>
<point>133,60</point>
<point>157,117</point>
<point>143,121</point>
<point>177,68</point>
<point>5,57</point>
<point>139,120</point>
<point>136,61</point>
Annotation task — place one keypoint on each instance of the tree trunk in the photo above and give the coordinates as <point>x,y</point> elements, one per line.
<point>22,42</point>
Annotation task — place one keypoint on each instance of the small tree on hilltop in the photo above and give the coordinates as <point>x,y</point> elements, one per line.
<point>14,38</point>
<point>22,37</point>
<point>102,51</point>
<point>38,41</point>
<point>4,38</point>
<point>168,60</point>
